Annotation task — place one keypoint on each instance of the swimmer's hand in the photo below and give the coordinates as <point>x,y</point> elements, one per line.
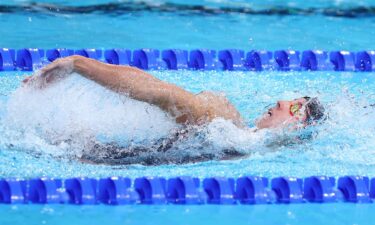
<point>51,73</point>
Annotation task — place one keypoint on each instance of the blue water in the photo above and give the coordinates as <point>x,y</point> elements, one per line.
<point>155,29</point>
<point>34,124</point>
<point>336,214</point>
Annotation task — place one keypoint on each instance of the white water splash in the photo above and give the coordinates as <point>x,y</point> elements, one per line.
<point>75,111</point>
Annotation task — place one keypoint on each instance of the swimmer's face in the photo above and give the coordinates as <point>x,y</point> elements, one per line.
<point>283,114</point>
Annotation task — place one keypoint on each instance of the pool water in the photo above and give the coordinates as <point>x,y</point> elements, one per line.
<point>144,24</point>
<point>45,132</point>
<point>336,214</point>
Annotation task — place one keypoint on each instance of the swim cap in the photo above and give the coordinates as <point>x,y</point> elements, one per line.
<point>314,110</point>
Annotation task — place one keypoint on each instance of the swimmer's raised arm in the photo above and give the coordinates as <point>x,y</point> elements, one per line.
<point>137,84</point>
<point>131,81</point>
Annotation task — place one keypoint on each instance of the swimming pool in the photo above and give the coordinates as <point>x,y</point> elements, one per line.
<point>342,146</point>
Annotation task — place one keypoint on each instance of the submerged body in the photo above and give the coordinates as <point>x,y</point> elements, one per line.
<point>163,151</point>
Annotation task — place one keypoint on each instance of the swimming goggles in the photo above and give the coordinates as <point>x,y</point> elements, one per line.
<point>295,109</point>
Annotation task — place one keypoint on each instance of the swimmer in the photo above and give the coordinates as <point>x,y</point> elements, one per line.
<point>187,108</point>
<point>190,110</point>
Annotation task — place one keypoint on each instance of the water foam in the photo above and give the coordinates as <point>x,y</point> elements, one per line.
<point>348,133</point>
<point>69,114</point>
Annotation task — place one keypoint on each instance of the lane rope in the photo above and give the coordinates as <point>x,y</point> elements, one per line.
<point>30,59</point>
<point>187,190</point>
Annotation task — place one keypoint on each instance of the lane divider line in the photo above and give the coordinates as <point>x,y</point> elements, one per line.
<point>187,190</point>
<point>30,59</point>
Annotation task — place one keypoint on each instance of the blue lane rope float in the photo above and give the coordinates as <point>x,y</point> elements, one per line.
<point>30,59</point>
<point>187,190</point>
